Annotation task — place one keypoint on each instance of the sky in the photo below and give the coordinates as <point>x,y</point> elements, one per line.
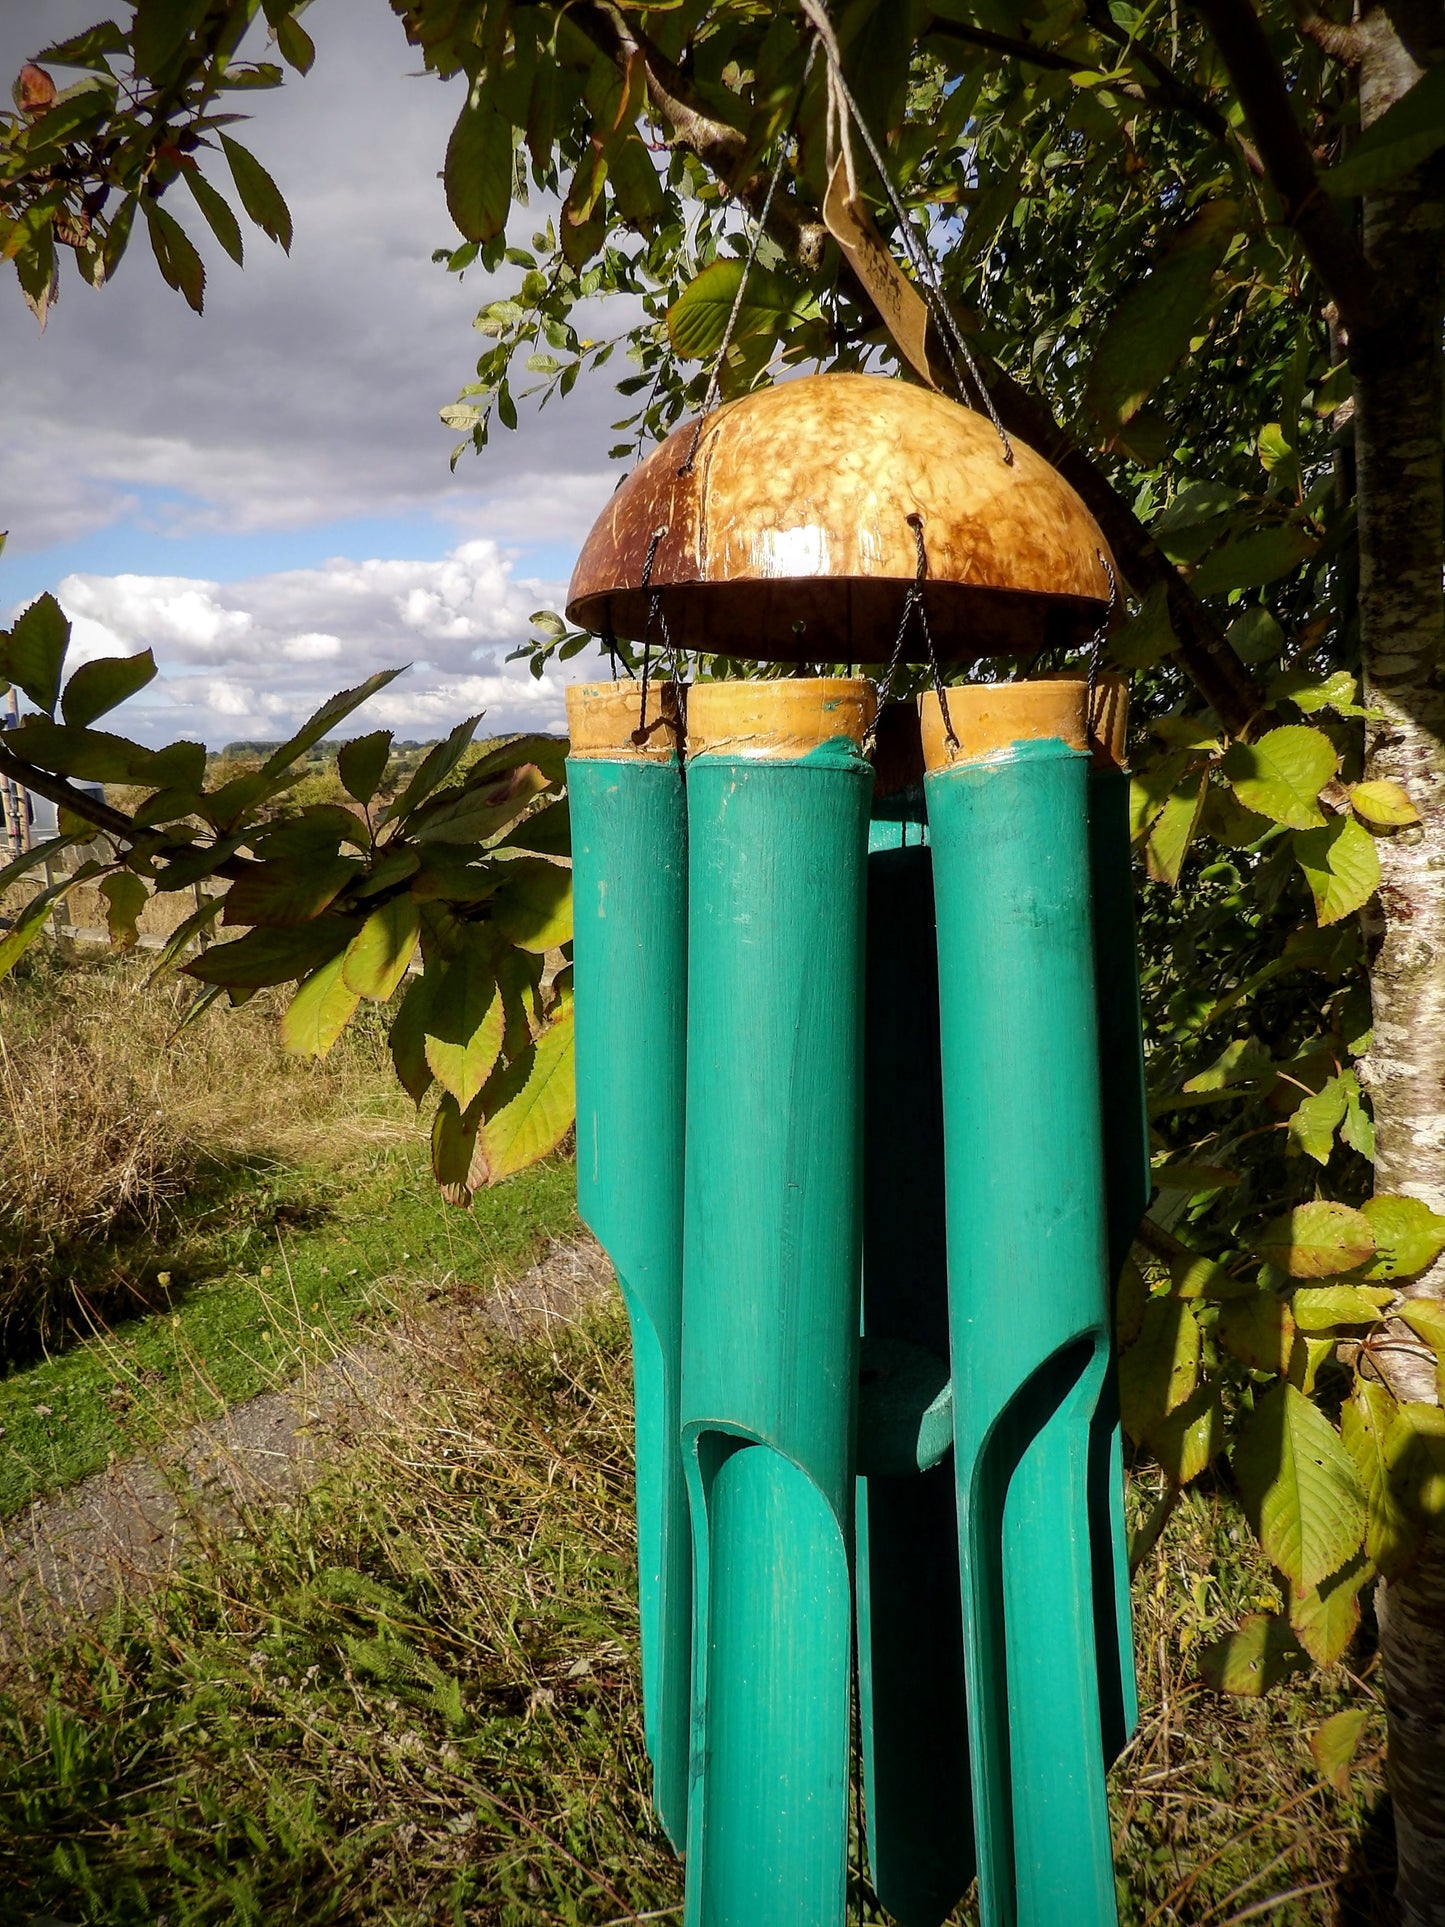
<point>262,494</point>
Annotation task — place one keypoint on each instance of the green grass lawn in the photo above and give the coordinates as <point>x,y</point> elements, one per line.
<point>267,1266</point>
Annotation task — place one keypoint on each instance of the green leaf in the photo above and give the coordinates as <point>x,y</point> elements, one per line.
<point>1341,866</point>
<point>1387,804</point>
<point>1173,829</point>
<point>1367,1426</point>
<point>1152,327</point>
<point>477,812</point>
<point>1426,1318</point>
<point>381,951</point>
<point>533,907</point>
<point>1406,134</point>
<point>181,267</point>
<point>204,914</point>
<point>1259,1331</point>
<point>1317,1240</point>
<point>1147,638</point>
<point>336,709</point>
<point>217,210</point>
<point>1334,1743</point>
<point>319,1012</point>
<point>1417,1461</point>
<point>1251,560</point>
<point>1327,1307</point>
<point>477,172</point>
<point>1315,1120</point>
<point>1187,1442</point>
<point>1160,1369</point>
<point>265,956</point>
<point>260,196</point>
<point>1255,636</point>
<point>161,30</point>
<point>698,318</point>
<point>454,1149</point>
<point>33,653</point>
<point>546,832</point>
<point>1282,774</point>
<point>1131,1300</point>
<point>549,753</point>
<point>434,768</point>
<point>1299,1487</point>
<point>31,920</point>
<point>537,1119</point>
<point>287,889</point>
<point>297,47</point>
<point>361,764</point>
<point>464,1022</point>
<point>89,754</point>
<point>1252,1660</point>
<point>101,685</point>
<point>1409,1236</point>
<point>408,1036</point>
<point>125,897</point>
<point>316,832</point>
<point>1325,1618</point>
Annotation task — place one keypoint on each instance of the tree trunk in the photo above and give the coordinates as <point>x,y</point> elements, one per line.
<point>1398,443</point>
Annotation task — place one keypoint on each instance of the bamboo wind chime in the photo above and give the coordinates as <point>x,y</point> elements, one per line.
<point>861,1129</point>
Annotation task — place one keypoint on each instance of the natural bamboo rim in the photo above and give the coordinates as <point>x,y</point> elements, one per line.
<point>604,718</point>
<point>1108,717</point>
<point>989,717</point>
<point>777,720</point>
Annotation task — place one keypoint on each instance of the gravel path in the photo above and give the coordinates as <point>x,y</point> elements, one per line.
<point>67,1557</point>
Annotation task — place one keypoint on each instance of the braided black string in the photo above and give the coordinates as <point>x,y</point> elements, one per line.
<point>654,614</point>
<point>913,606</point>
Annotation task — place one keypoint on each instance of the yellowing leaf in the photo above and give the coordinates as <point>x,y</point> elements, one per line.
<point>1317,1240</point>
<point>1335,1305</point>
<point>1299,1487</point>
<point>1173,829</point>
<point>1416,1448</point>
<point>1387,804</point>
<point>1258,1330</point>
<point>1324,1619</point>
<point>125,897</point>
<point>408,1036</point>
<point>533,907</point>
<point>1334,1743</point>
<point>1426,1318</point>
<point>319,1012</point>
<point>453,1149</point>
<point>1161,1368</point>
<point>1409,1236</point>
<point>537,1119</point>
<point>1282,774</point>
<point>464,1023</point>
<point>1314,1122</point>
<point>1341,866</point>
<point>1251,1660</point>
<point>1370,1436</point>
<point>1188,1441</point>
<point>381,951</point>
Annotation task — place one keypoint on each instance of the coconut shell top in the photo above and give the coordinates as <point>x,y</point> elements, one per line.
<point>787,537</point>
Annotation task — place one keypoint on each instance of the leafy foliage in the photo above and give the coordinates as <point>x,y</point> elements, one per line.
<point>342,902</point>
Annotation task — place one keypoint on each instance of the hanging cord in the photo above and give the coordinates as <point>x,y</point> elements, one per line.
<point>1096,648</point>
<point>955,346</point>
<point>760,228</point>
<point>655,613</point>
<point>913,606</point>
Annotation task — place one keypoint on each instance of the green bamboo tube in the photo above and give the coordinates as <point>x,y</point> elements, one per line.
<point>629,873</point>
<point>1127,1178</point>
<point>1028,1298</point>
<point>911,1707</point>
<point>778,795</point>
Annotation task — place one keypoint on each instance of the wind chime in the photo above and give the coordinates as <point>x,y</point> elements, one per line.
<point>860,1126</point>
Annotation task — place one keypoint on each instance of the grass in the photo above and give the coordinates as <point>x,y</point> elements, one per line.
<point>412,1699</point>
<point>279,1207</point>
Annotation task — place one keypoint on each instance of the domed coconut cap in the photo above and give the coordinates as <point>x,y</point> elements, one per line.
<point>787,538</point>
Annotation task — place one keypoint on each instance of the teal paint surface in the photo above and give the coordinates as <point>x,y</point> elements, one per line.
<point>629,872</point>
<point>912,1711</point>
<point>777,858</point>
<point>1028,1314</point>
<point>1127,1185</point>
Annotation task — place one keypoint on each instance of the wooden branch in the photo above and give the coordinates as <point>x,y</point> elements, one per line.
<point>1330,245</point>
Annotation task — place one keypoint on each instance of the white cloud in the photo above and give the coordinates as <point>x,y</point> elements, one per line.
<point>254,658</point>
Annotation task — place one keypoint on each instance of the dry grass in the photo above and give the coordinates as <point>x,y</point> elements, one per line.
<point>108,1122</point>
<point>413,1700</point>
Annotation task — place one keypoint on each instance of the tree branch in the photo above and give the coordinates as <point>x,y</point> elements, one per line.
<point>55,789</point>
<point>1332,249</point>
